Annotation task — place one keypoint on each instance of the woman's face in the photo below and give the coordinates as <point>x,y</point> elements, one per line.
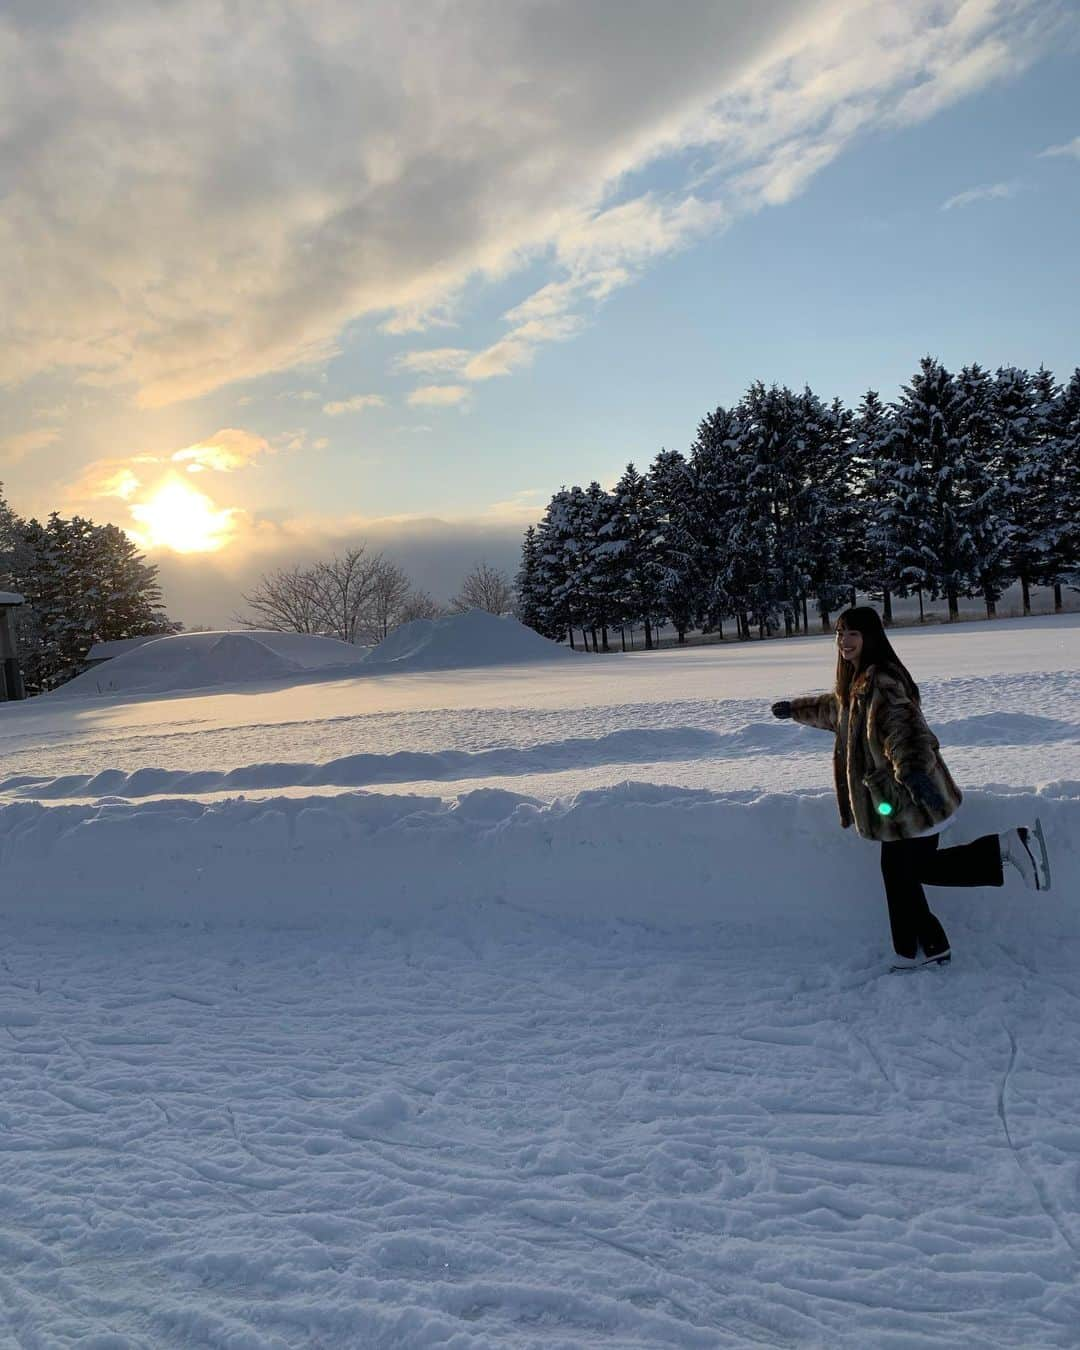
<point>849,641</point>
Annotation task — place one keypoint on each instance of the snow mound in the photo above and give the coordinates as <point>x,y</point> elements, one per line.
<point>205,660</point>
<point>474,638</point>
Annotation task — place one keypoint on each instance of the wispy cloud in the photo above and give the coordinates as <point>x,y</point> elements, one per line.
<point>988,192</point>
<point>439,395</point>
<point>460,167</point>
<point>1070,148</point>
<point>23,443</point>
<point>355,404</point>
<point>433,360</point>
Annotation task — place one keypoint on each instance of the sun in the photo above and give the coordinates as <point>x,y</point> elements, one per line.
<point>181,518</point>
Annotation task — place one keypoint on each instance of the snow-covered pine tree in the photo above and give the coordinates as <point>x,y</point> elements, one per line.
<point>635,527</point>
<point>529,587</point>
<point>128,596</point>
<point>819,469</point>
<point>715,508</point>
<point>673,489</point>
<point>1061,423</point>
<point>601,563</point>
<point>1023,407</point>
<point>937,551</point>
<point>578,545</point>
<point>765,542</point>
<point>552,535</point>
<point>10,534</point>
<point>874,543</point>
<point>85,583</point>
<point>984,485</point>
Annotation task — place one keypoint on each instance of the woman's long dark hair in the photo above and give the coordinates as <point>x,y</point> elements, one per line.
<point>877,650</point>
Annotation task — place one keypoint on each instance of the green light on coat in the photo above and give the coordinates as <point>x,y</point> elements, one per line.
<point>884,809</point>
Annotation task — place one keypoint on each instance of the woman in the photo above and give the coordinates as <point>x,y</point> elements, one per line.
<point>893,786</point>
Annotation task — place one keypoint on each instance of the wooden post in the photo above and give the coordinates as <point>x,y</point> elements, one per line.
<point>11,682</point>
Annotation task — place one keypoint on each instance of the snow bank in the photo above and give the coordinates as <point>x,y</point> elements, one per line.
<point>474,638</point>
<point>638,852</point>
<point>204,660</point>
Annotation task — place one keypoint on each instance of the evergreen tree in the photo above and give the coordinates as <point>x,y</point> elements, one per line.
<point>672,482</point>
<point>765,545</point>
<point>874,544</point>
<point>600,564</point>
<point>551,567</point>
<point>528,582</point>
<point>1063,492</point>
<point>824,518</point>
<point>84,583</point>
<point>1024,458</point>
<point>635,529</point>
<point>937,551</point>
<point>714,512</point>
<point>983,485</point>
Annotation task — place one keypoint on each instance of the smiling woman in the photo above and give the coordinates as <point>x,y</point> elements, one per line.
<point>182,519</point>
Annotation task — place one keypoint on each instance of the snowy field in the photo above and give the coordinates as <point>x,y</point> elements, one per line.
<point>533,1005</point>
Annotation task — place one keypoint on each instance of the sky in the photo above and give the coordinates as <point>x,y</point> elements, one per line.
<point>283,279</point>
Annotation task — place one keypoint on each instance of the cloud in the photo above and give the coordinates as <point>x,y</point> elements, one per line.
<point>986,193</point>
<point>524,507</point>
<point>23,443</point>
<point>355,404</point>
<point>317,164</point>
<point>1070,148</point>
<point>226,451</point>
<point>121,478</point>
<point>439,395</point>
<point>433,360</point>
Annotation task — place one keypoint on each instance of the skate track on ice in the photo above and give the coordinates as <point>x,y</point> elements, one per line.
<point>539,1057</point>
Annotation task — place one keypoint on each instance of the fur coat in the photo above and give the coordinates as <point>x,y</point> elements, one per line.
<point>881,737</point>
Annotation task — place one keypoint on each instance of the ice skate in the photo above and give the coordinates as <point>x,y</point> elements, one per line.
<point>1025,849</point>
<point>921,961</point>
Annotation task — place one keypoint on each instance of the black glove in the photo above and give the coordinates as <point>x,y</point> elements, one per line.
<point>781,709</point>
<point>922,788</point>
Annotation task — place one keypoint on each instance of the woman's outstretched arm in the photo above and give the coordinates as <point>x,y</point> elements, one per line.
<point>812,710</point>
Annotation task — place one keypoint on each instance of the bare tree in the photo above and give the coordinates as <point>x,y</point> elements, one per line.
<point>358,597</point>
<point>485,588</point>
<point>286,601</point>
<point>345,587</point>
<point>419,605</point>
<point>333,599</point>
<point>390,595</point>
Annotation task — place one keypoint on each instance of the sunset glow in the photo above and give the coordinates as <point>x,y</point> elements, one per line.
<point>181,518</point>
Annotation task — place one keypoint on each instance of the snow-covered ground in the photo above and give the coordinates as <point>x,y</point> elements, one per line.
<point>532,1005</point>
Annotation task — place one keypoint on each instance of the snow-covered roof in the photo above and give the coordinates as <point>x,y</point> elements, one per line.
<point>10,598</point>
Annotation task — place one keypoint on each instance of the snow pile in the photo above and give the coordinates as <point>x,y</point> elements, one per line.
<point>474,638</point>
<point>634,852</point>
<point>205,660</point>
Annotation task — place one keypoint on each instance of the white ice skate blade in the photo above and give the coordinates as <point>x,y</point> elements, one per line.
<point>1044,857</point>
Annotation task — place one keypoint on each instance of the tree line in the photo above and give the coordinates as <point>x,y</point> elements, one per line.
<point>361,597</point>
<point>966,483</point>
<point>82,583</point>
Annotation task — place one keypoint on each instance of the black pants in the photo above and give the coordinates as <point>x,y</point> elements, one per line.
<point>906,864</point>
